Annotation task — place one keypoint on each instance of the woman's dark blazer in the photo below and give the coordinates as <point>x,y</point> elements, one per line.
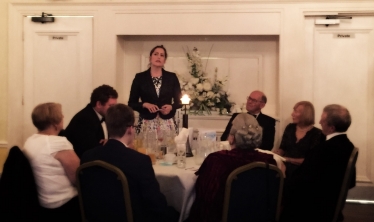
<point>143,90</point>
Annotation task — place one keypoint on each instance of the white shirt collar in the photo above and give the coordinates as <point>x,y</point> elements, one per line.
<point>98,114</point>
<point>334,134</point>
<point>103,124</point>
<point>121,142</point>
<point>255,114</point>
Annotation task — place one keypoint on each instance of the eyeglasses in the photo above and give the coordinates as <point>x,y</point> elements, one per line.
<point>253,100</point>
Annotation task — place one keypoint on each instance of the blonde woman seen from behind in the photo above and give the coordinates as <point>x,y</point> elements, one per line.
<point>54,164</point>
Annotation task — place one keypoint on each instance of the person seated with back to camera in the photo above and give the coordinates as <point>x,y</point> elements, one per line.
<point>299,137</point>
<point>54,164</point>
<point>147,201</point>
<point>245,136</point>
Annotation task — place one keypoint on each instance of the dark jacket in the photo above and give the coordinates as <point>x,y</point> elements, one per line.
<point>313,191</point>
<point>84,130</point>
<point>146,199</point>
<point>268,130</point>
<point>142,88</point>
<point>18,193</point>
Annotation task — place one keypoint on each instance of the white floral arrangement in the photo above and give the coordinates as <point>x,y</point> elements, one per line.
<point>206,95</point>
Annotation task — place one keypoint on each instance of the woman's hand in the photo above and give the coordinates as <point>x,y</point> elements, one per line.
<point>151,107</point>
<point>165,109</point>
<point>231,140</point>
<point>280,152</point>
<point>296,161</point>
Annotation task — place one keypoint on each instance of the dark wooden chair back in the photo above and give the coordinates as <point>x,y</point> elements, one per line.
<point>346,181</point>
<point>103,193</point>
<point>253,193</point>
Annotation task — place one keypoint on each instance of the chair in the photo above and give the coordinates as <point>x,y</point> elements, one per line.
<point>253,193</point>
<point>349,172</point>
<point>103,192</point>
<point>18,192</point>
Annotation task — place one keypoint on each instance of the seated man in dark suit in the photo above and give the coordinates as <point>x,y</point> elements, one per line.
<point>255,102</point>
<point>314,189</point>
<point>147,202</point>
<point>87,129</point>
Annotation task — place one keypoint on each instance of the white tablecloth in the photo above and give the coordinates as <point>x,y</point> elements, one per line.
<point>178,185</point>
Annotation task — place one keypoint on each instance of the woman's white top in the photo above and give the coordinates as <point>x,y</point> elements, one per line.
<point>54,187</point>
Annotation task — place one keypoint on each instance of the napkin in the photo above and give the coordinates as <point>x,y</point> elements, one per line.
<point>182,136</point>
<point>278,159</point>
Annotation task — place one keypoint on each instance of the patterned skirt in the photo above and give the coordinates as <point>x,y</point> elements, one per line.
<point>155,125</point>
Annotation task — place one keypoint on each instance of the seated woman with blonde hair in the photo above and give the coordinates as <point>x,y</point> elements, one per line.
<point>245,136</point>
<point>299,137</point>
<point>54,164</point>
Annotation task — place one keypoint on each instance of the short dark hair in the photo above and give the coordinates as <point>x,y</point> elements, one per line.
<point>159,47</point>
<point>103,94</point>
<point>337,116</point>
<point>118,118</point>
<point>46,114</point>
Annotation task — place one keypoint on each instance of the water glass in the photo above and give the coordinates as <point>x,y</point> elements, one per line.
<point>181,155</point>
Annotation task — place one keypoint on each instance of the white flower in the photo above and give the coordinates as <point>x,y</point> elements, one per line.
<point>210,94</point>
<point>207,86</point>
<point>194,81</point>
<point>190,85</point>
<point>210,103</point>
<point>191,94</point>
<point>199,87</point>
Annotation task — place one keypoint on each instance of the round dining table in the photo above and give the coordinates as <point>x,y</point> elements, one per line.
<point>178,185</point>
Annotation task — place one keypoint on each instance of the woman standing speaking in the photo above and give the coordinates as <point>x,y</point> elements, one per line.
<point>155,94</point>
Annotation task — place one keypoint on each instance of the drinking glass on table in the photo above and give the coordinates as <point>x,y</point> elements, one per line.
<point>181,155</point>
<point>161,143</point>
<point>138,141</point>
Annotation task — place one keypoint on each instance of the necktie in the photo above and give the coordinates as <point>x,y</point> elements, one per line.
<point>102,120</point>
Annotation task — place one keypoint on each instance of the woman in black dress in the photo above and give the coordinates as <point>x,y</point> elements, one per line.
<point>299,137</point>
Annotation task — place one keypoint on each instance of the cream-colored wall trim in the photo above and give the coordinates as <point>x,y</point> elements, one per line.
<point>364,179</point>
<point>3,144</point>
